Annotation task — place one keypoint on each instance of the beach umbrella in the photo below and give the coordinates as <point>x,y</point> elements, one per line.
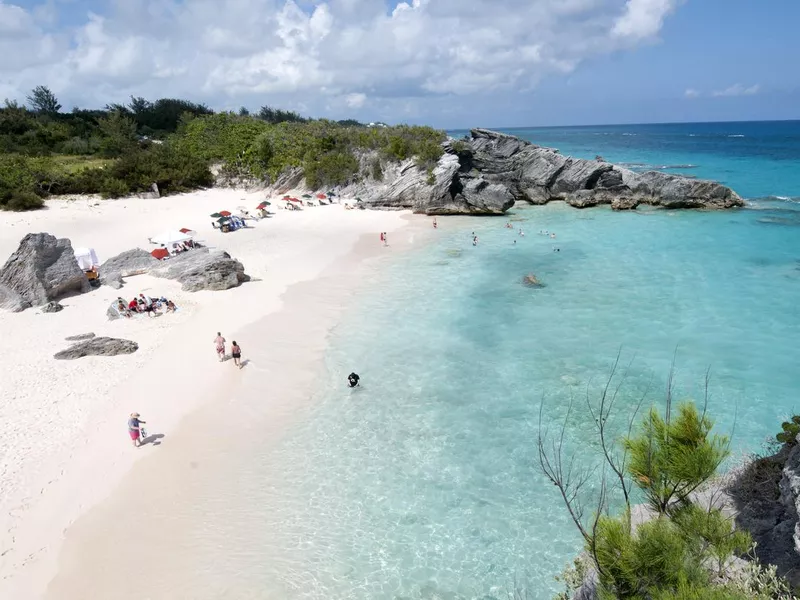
<point>263,205</point>
<point>322,196</point>
<point>187,231</point>
<point>215,215</point>
<point>293,199</point>
<point>222,220</point>
<point>160,253</point>
<point>306,195</point>
<point>224,213</point>
<point>170,237</point>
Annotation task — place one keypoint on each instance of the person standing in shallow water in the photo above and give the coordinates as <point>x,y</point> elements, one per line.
<point>236,352</point>
<point>219,341</point>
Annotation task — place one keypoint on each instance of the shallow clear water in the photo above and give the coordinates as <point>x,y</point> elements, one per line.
<point>422,484</point>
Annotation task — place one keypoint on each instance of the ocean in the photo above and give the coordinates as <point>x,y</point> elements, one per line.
<point>423,483</point>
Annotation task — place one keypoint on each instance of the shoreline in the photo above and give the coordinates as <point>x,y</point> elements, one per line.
<point>79,465</point>
<point>277,389</point>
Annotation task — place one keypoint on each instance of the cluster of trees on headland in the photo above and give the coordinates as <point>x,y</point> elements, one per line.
<point>124,148</point>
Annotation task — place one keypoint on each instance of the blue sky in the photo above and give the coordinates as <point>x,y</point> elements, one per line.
<point>449,63</point>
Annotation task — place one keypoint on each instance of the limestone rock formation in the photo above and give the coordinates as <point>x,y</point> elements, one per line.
<point>41,270</point>
<point>766,497</point>
<point>98,346</point>
<point>11,300</point>
<point>201,269</point>
<point>488,172</point>
<point>538,175</point>
<point>129,263</point>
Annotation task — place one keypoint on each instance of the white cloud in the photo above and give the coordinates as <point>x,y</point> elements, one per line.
<point>336,53</point>
<point>737,89</point>
<point>643,19</point>
<point>355,100</point>
<point>690,93</point>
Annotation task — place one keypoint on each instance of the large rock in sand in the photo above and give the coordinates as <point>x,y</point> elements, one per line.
<point>127,264</point>
<point>98,346</point>
<point>41,270</point>
<point>201,269</point>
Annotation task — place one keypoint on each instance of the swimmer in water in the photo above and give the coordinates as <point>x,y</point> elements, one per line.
<point>352,380</point>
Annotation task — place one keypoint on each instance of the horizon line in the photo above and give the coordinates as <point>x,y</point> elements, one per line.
<point>797,120</point>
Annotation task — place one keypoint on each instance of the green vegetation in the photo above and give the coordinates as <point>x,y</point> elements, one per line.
<point>681,549</point>
<point>125,148</point>
<point>789,431</point>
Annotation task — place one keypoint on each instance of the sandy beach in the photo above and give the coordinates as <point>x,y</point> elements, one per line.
<point>65,447</point>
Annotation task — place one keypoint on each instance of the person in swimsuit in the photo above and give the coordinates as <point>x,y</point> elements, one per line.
<point>219,341</point>
<point>236,352</point>
<point>135,429</point>
<point>352,380</point>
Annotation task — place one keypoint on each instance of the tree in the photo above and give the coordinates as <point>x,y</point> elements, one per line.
<point>43,101</point>
<point>119,134</point>
<point>244,112</point>
<point>671,456</point>
<point>668,458</point>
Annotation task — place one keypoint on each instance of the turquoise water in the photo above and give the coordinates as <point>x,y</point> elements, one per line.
<point>423,483</point>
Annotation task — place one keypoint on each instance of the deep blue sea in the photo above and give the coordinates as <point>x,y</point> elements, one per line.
<point>423,483</point>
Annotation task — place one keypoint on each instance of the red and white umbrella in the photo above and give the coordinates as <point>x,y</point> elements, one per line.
<point>322,196</point>
<point>160,253</point>
<point>225,213</point>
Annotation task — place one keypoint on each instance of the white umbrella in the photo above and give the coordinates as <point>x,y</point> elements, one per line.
<point>170,237</point>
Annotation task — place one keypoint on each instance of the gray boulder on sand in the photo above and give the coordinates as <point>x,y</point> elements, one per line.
<point>201,269</point>
<point>127,264</point>
<point>52,307</point>
<point>98,346</point>
<point>41,270</point>
<point>80,338</point>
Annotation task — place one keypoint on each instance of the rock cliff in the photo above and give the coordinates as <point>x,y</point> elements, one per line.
<point>487,172</point>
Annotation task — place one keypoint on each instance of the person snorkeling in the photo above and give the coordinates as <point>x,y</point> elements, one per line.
<point>352,380</point>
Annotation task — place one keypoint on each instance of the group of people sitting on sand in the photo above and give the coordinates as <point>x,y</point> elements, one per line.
<point>145,304</point>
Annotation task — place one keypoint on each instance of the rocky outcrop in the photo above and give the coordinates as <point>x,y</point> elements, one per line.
<point>98,346</point>
<point>766,497</point>
<point>42,269</point>
<point>201,269</point>
<point>488,172</point>
<point>129,263</point>
<point>537,175</point>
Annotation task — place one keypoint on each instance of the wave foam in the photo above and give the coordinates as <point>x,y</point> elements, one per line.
<point>736,135</point>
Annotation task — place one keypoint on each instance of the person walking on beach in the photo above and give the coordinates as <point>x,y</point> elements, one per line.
<point>385,239</point>
<point>435,224</point>
<point>135,429</point>
<point>236,352</point>
<point>219,341</point>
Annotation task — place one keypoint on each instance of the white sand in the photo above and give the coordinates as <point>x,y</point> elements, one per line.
<point>64,444</point>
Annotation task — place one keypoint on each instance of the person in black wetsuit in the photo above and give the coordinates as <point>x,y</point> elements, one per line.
<point>352,380</point>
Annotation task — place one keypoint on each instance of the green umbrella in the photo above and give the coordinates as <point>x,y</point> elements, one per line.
<point>306,195</point>
<point>215,215</point>
<point>222,220</point>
